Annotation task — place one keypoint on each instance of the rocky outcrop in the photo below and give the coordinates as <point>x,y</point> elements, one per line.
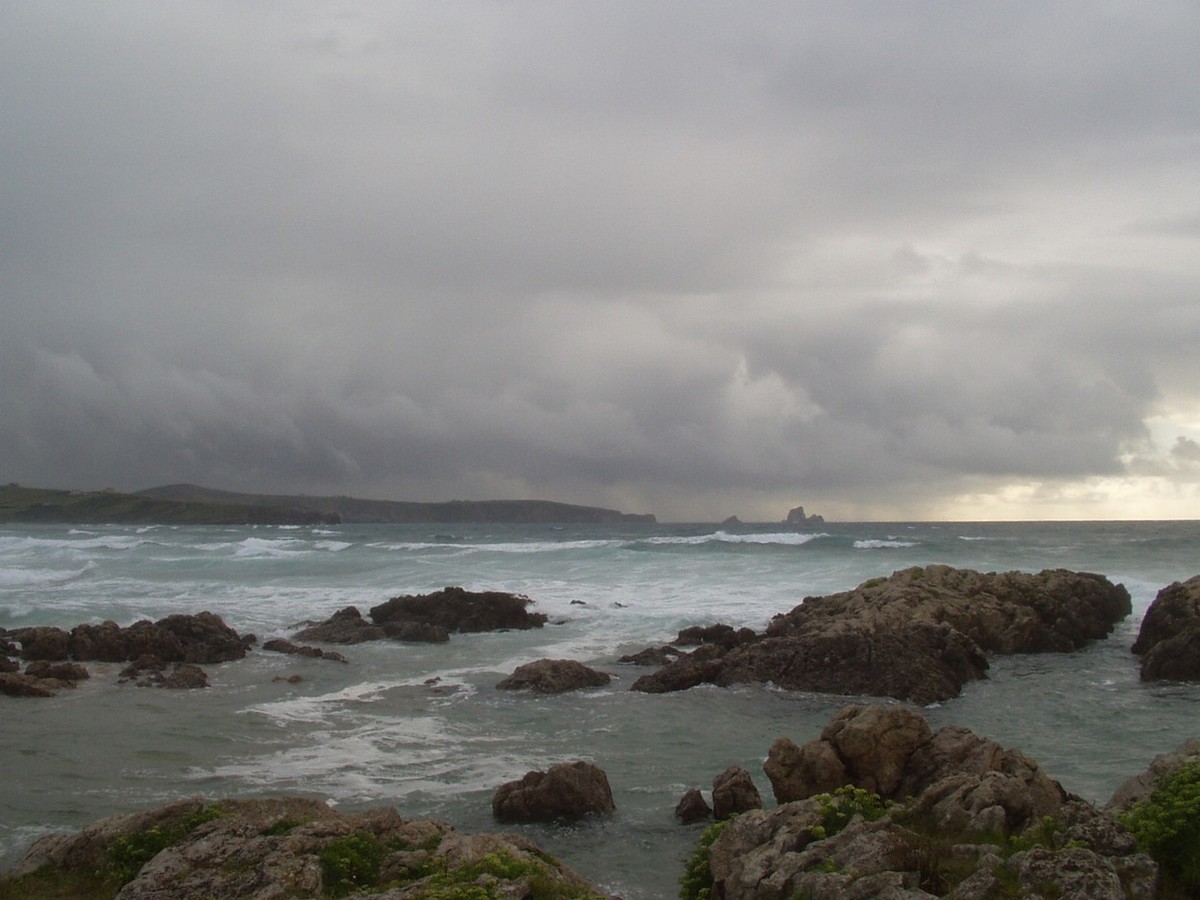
<point>692,807</point>
<point>1139,788</point>
<point>956,815</point>
<point>553,676</point>
<point>1169,639</point>
<point>891,751</point>
<point>201,638</point>
<point>280,645</point>
<point>346,626</point>
<point>733,793</point>
<point>565,791</point>
<point>150,671</point>
<point>456,609</point>
<point>918,635</point>
<point>289,847</point>
<point>796,516</point>
<point>427,618</point>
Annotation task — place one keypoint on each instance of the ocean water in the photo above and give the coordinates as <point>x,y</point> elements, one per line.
<point>422,728</point>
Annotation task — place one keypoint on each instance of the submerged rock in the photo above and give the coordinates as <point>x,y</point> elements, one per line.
<point>919,635</point>
<point>553,676</point>
<point>279,645</point>
<point>565,791</point>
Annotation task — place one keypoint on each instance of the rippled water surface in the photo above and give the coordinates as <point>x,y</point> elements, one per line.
<point>422,728</point>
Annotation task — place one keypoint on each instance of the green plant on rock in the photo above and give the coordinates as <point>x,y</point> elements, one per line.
<point>481,879</point>
<point>696,881</point>
<point>129,852</point>
<point>837,809</point>
<point>351,862</point>
<point>1167,826</point>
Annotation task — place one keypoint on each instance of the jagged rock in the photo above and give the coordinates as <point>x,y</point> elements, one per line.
<point>280,645</point>
<point>1175,608</point>
<point>567,790</point>
<point>150,671</point>
<point>60,671</point>
<point>919,635</point>
<point>1139,788</point>
<point>8,664</point>
<point>460,610</point>
<point>201,638</point>
<point>18,684</point>
<point>346,626</point>
<point>796,516</point>
<point>891,751</point>
<point>553,676</point>
<point>1169,638</point>
<point>43,642</point>
<point>967,797</point>
<point>733,792</point>
<point>692,807</point>
<point>279,848</point>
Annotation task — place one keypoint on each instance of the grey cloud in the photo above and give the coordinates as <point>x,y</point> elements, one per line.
<point>655,253</point>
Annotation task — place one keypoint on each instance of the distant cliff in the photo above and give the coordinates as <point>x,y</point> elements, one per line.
<point>352,509</point>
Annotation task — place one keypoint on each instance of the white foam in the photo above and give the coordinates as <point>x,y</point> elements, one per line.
<point>883,545</point>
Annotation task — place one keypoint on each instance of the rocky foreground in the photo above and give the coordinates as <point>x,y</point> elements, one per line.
<point>288,847</point>
<point>882,806</point>
<point>879,805</point>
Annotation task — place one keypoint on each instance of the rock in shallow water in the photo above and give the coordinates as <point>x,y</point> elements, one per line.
<point>918,635</point>
<point>566,791</point>
<point>553,676</point>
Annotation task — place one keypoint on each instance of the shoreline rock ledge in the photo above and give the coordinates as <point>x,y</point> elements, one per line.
<point>918,635</point>
<point>283,847</point>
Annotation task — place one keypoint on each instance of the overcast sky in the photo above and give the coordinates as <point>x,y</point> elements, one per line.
<point>886,260</point>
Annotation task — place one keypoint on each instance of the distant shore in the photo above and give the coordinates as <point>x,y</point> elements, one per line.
<point>186,504</point>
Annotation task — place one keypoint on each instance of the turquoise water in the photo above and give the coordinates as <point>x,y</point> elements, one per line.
<point>374,732</point>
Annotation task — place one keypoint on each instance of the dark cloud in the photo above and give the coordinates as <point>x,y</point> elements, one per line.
<point>895,260</point>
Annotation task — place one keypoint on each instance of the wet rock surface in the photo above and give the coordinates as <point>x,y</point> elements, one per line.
<point>565,791</point>
<point>939,814</point>
<point>428,618</point>
<point>919,635</point>
<point>553,676</point>
<point>1169,638</point>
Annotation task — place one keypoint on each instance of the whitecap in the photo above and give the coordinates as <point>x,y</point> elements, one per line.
<point>883,545</point>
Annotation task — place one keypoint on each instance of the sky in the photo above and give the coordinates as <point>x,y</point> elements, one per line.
<point>885,260</point>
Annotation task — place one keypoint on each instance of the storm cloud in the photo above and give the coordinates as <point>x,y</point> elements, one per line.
<point>888,260</point>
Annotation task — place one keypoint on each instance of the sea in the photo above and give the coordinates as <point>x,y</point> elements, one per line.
<point>421,727</point>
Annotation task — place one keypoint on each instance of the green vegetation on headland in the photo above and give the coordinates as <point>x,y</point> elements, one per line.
<point>184,504</point>
<point>37,505</point>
